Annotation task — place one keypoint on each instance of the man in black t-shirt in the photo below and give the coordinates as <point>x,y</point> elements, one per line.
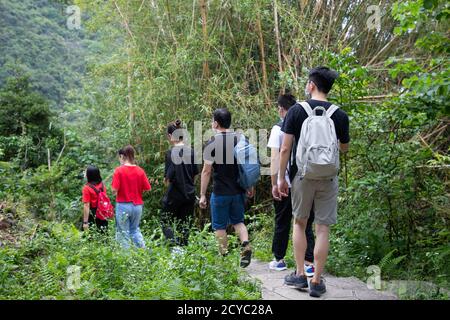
<point>307,192</point>
<point>228,198</point>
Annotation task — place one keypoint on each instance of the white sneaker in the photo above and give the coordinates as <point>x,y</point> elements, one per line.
<point>309,270</point>
<point>278,265</point>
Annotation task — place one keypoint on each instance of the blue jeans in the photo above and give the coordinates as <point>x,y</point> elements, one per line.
<point>227,210</point>
<point>128,217</point>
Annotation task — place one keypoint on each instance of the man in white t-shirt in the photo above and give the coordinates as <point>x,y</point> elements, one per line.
<point>283,206</point>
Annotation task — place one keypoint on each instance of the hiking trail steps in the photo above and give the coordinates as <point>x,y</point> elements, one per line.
<point>273,287</point>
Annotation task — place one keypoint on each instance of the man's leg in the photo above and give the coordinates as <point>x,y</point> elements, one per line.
<point>303,191</point>
<point>246,250</point>
<point>321,250</point>
<point>299,243</point>
<point>237,220</point>
<point>325,206</point>
<point>283,218</point>
<point>220,207</point>
<point>309,255</point>
<point>237,210</point>
<point>241,231</point>
<point>221,236</point>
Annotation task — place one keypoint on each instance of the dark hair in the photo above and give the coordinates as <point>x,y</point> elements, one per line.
<point>173,126</point>
<point>128,152</point>
<point>286,101</point>
<point>323,78</point>
<point>223,117</point>
<point>93,175</point>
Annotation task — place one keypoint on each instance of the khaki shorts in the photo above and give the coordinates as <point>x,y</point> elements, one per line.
<point>321,193</point>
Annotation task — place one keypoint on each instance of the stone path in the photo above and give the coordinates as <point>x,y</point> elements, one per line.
<point>273,287</point>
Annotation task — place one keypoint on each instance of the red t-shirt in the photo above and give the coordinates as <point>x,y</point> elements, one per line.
<point>89,195</point>
<point>130,182</point>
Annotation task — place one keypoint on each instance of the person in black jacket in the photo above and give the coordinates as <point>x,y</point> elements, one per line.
<point>179,174</point>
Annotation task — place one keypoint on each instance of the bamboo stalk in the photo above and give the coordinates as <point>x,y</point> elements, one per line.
<point>49,161</point>
<point>263,55</point>
<point>440,128</point>
<point>193,17</point>
<point>124,21</point>
<point>205,37</point>
<point>444,166</point>
<point>129,91</point>
<point>277,38</point>
<point>381,51</point>
<point>382,96</point>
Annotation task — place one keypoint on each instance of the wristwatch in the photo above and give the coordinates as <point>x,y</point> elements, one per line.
<point>85,222</point>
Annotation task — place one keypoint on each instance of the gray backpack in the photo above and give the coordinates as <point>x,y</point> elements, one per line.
<point>317,150</point>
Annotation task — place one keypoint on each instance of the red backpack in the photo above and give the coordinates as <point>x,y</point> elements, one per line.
<point>105,210</point>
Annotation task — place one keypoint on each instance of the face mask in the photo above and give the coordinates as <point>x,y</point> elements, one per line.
<point>307,93</point>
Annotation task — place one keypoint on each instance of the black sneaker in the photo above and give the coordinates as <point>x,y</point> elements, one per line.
<point>246,254</point>
<point>298,282</point>
<point>317,289</point>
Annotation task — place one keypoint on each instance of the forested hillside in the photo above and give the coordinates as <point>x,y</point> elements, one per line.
<point>156,61</point>
<point>35,40</point>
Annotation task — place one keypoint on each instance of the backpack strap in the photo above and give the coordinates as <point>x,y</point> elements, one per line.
<point>95,189</point>
<point>307,108</point>
<point>280,123</point>
<point>332,109</point>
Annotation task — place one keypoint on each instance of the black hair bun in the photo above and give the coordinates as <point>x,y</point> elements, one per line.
<point>178,123</point>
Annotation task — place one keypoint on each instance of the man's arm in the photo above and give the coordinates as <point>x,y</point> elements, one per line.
<point>344,131</point>
<point>285,154</point>
<point>344,147</point>
<point>166,182</point>
<point>206,176</point>
<point>274,168</point>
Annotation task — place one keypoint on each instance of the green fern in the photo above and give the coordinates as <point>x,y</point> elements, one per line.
<point>389,262</point>
<point>48,281</point>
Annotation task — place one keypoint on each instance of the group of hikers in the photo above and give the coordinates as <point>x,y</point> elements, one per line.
<point>304,145</point>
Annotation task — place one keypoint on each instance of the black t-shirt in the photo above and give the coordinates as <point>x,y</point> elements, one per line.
<point>180,170</point>
<point>294,120</point>
<point>219,152</point>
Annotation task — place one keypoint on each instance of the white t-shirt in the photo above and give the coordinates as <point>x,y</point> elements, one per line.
<point>275,141</point>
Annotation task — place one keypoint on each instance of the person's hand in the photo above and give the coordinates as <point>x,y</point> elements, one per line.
<point>276,193</point>
<point>283,187</point>
<point>251,192</point>
<point>203,203</point>
<point>85,226</point>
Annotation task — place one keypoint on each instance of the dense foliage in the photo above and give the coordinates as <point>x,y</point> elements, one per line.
<point>40,269</point>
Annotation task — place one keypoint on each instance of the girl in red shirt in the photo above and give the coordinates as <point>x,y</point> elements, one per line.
<point>94,180</point>
<point>129,183</point>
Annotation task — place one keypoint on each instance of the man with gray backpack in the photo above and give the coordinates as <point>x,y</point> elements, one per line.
<point>320,129</point>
